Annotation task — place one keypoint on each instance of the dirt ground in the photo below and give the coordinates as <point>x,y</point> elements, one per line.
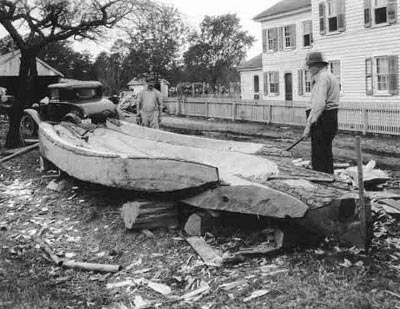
<point>83,222</point>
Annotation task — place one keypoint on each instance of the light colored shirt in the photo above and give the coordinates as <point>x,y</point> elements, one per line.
<point>149,100</point>
<point>325,94</point>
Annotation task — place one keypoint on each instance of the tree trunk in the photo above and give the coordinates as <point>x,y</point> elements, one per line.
<point>26,93</point>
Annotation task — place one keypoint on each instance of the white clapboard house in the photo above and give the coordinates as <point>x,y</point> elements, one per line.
<point>360,38</point>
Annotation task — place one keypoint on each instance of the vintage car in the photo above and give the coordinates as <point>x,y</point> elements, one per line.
<point>77,102</point>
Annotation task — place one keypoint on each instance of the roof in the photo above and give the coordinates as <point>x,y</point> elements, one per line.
<point>284,6</point>
<point>76,84</point>
<point>252,64</point>
<point>9,65</point>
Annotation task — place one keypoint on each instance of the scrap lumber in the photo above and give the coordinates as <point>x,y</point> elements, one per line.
<point>109,268</point>
<point>149,214</point>
<point>74,264</point>
<point>20,152</point>
<point>309,178</point>
<point>207,254</point>
<point>392,203</point>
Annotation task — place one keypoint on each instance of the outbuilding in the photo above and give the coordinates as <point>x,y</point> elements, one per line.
<point>9,71</point>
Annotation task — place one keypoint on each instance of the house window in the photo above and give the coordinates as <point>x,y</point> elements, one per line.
<point>382,74</point>
<point>380,11</point>
<point>332,16</point>
<point>307,81</point>
<point>273,39</point>
<point>273,82</point>
<point>256,81</point>
<point>287,36</point>
<point>307,33</point>
<point>334,67</point>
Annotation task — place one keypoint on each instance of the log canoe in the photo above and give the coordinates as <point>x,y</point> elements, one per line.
<point>116,158</point>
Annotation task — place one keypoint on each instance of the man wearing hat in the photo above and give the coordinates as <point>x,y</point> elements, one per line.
<point>322,113</point>
<point>149,105</point>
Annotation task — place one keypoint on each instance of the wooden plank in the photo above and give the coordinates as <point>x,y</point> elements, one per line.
<point>365,208</point>
<point>250,199</point>
<point>207,254</point>
<point>392,203</point>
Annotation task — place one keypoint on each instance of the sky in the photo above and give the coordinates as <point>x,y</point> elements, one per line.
<point>194,12</point>
<point>246,10</point>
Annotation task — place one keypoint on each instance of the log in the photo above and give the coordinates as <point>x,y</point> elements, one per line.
<point>20,152</point>
<point>109,268</point>
<point>150,214</point>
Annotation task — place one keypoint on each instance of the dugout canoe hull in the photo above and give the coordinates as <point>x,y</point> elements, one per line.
<point>121,170</point>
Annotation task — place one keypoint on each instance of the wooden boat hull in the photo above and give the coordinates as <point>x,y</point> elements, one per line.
<point>147,174</point>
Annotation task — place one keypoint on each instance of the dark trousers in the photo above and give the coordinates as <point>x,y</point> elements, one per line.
<point>322,134</point>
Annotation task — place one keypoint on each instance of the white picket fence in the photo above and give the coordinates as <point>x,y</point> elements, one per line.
<point>383,118</point>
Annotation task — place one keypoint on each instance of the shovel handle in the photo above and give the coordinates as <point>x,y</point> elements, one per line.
<point>295,143</point>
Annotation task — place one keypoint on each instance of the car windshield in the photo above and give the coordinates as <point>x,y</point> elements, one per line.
<point>75,95</point>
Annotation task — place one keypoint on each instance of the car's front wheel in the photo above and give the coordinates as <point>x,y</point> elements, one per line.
<point>28,127</point>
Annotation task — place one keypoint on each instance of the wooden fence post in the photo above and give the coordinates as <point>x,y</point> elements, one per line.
<point>269,114</point>
<point>206,108</point>
<point>233,111</point>
<point>365,208</point>
<point>364,119</point>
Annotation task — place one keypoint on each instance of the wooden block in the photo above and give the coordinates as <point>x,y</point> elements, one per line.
<point>197,224</point>
<point>149,214</point>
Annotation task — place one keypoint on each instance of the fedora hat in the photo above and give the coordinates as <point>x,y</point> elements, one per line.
<point>315,57</point>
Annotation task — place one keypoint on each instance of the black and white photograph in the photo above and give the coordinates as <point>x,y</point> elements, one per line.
<point>199,154</point>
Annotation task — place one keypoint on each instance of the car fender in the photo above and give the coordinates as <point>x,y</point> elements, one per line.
<point>34,114</point>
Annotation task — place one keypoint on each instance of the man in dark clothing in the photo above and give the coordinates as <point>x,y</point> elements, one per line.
<point>322,113</point>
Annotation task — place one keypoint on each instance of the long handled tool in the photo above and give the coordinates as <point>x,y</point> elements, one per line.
<point>295,143</point>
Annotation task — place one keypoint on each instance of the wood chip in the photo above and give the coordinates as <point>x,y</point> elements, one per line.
<point>159,288</point>
<point>204,287</point>
<point>256,294</point>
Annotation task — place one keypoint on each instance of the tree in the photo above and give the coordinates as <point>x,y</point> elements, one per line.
<point>34,24</point>
<point>220,45</point>
<point>156,42</point>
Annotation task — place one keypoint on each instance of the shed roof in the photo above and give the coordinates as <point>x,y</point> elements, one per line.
<point>284,6</point>
<point>76,84</point>
<point>9,65</point>
<point>142,81</point>
<point>252,64</point>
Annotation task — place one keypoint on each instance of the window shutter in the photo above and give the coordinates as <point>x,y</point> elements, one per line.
<point>264,40</point>
<point>367,13</point>
<point>368,76</point>
<point>293,36</point>
<point>300,81</point>
<point>322,13</point>
<point>281,38</point>
<point>392,11</point>
<point>341,15</point>
<point>277,79</point>
<point>265,83</point>
<point>393,75</point>
<point>276,39</point>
